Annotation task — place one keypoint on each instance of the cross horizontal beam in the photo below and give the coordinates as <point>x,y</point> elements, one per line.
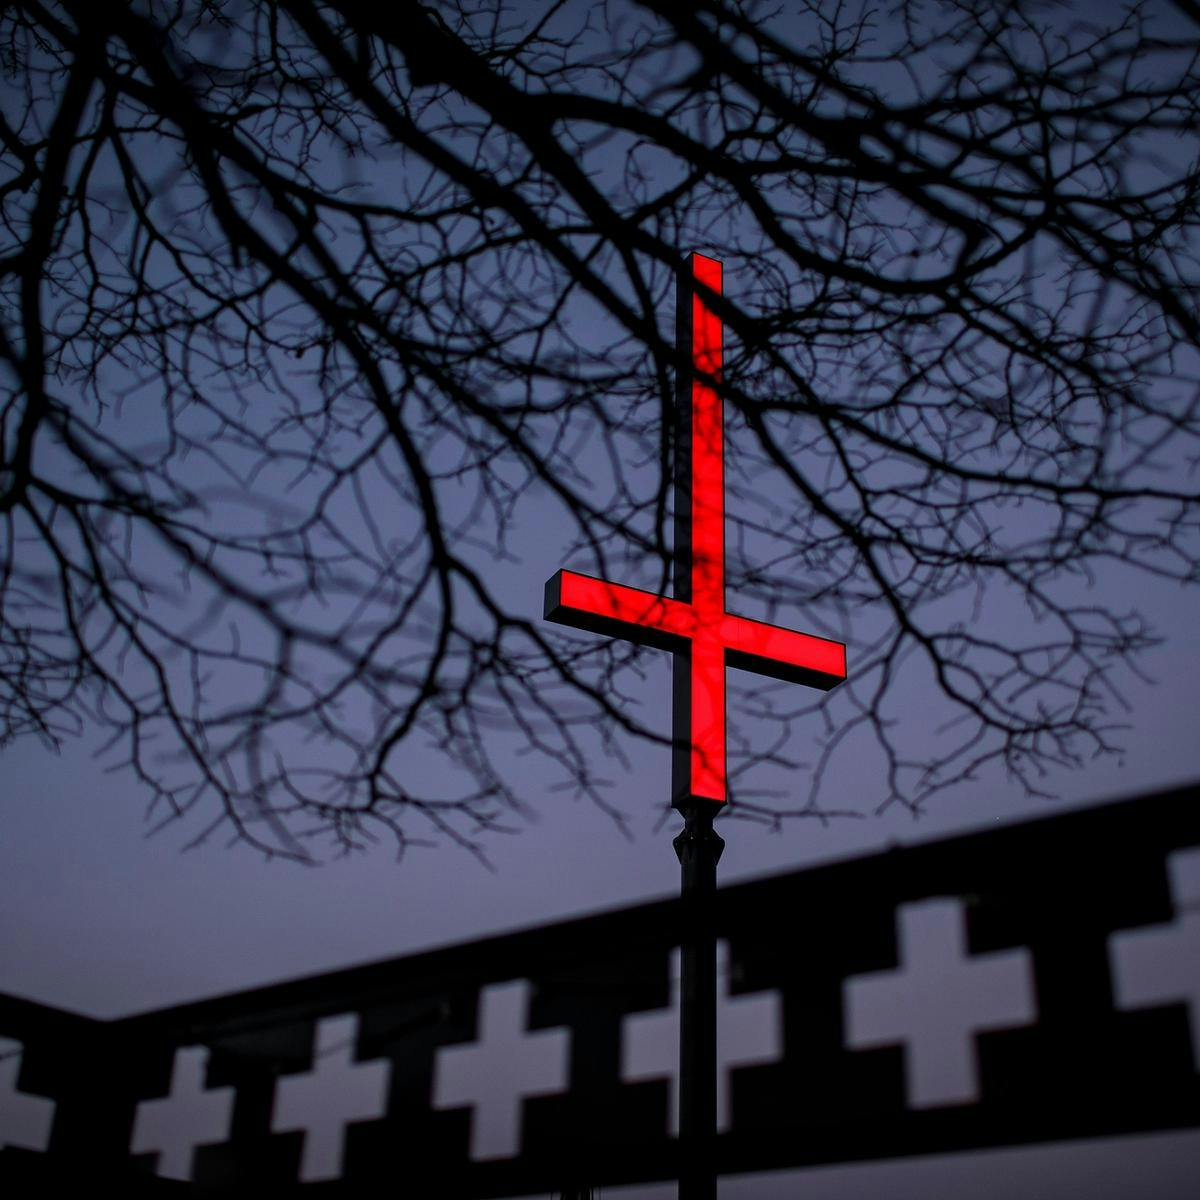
<point>634,615</point>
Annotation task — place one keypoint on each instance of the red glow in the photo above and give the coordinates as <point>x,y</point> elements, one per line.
<point>698,625</point>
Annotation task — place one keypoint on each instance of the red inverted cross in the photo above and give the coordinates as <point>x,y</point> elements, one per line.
<point>694,624</point>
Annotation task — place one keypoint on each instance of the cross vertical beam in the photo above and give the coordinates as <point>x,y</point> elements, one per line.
<point>698,683</point>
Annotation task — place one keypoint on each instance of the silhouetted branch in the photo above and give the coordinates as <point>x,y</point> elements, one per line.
<point>320,316</point>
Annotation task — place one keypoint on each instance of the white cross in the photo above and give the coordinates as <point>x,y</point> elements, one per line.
<point>494,1074</point>
<point>189,1117</point>
<point>1160,964</point>
<point>937,1001</point>
<point>325,1100</point>
<point>749,1030</point>
<point>25,1119</point>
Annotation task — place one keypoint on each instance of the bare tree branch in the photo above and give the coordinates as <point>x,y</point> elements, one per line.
<point>321,316</point>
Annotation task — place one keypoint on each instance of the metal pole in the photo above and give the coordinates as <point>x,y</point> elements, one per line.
<point>698,848</point>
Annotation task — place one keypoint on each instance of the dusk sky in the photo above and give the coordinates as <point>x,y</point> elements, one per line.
<point>108,908</point>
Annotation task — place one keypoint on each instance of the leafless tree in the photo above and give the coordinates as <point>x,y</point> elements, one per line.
<point>320,314</point>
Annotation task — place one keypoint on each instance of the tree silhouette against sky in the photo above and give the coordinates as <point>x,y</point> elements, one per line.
<point>330,328</point>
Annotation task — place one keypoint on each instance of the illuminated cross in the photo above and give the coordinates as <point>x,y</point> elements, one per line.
<point>694,624</point>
